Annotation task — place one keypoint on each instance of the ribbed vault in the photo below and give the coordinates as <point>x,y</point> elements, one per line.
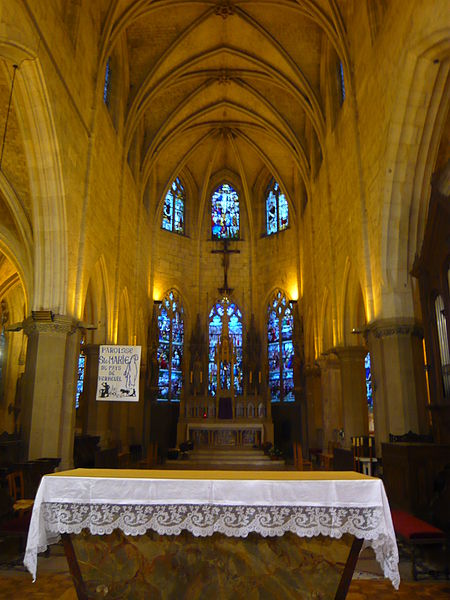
<point>225,85</point>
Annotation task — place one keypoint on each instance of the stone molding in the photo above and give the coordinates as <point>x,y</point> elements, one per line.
<point>394,327</point>
<point>60,324</point>
<point>351,352</point>
<point>312,370</point>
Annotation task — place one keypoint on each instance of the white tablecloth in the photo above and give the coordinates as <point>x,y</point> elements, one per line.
<point>168,502</point>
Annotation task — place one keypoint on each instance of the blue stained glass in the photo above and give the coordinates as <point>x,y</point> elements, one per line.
<point>225,213</point>
<point>107,83</point>
<point>231,312</point>
<point>277,211</point>
<point>173,210</point>
<point>170,349</point>
<point>280,349</point>
<point>341,81</point>
<point>80,378</point>
<point>369,391</point>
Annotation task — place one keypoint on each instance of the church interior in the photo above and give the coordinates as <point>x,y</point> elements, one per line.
<point>255,193</point>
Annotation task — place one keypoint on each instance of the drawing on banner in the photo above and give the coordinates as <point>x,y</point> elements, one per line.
<point>118,373</point>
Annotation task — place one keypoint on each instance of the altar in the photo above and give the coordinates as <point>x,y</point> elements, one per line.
<point>178,534</point>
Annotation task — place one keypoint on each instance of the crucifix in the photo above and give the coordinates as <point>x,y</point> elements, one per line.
<point>225,263</point>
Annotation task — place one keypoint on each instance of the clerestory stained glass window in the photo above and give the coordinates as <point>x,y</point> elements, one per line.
<point>280,348</point>
<point>225,213</point>
<point>277,212</point>
<point>170,348</point>
<point>230,375</point>
<point>173,211</point>
<point>341,82</point>
<point>107,83</point>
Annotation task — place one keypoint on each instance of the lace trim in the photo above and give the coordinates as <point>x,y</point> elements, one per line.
<point>234,521</point>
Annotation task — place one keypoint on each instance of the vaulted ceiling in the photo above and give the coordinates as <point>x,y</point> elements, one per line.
<point>225,86</point>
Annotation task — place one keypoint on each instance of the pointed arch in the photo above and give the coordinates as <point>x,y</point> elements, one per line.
<point>416,130</point>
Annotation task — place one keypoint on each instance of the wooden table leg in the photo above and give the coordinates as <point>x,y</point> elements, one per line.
<point>349,569</point>
<point>74,567</point>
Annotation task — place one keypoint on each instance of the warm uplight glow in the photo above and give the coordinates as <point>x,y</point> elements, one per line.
<point>157,293</point>
<point>293,292</point>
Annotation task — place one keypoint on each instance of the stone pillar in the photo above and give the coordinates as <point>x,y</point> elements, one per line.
<point>48,411</point>
<point>331,397</point>
<point>398,377</point>
<point>95,415</point>
<point>354,392</point>
<point>314,406</point>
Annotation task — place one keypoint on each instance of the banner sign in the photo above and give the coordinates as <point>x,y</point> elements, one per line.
<point>118,373</point>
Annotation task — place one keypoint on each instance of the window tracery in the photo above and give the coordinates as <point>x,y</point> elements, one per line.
<point>170,348</point>
<point>277,211</point>
<point>225,311</point>
<point>225,213</point>
<point>280,348</point>
<point>173,210</point>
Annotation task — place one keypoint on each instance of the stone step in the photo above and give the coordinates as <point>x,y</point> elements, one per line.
<point>226,458</point>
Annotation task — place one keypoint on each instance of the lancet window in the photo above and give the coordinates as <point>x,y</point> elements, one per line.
<point>225,318</point>
<point>107,83</point>
<point>341,82</point>
<point>173,211</point>
<point>369,391</point>
<point>277,212</point>
<point>81,372</point>
<point>170,348</point>
<point>280,349</point>
<point>225,213</point>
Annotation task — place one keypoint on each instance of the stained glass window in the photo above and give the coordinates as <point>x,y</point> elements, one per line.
<point>80,376</point>
<point>107,83</point>
<point>277,212</point>
<point>341,82</point>
<point>280,348</point>
<point>225,213</point>
<point>229,312</point>
<point>441,326</point>
<point>170,348</point>
<point>369,390</point>
<point>173,211</point>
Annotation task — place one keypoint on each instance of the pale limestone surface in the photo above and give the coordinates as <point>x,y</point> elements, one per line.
<point>210,92</point>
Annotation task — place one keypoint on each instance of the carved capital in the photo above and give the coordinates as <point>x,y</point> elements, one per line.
<point>351,353</point>
<point>312,370</point>
<point>395,327</point>
<point>46,322</point>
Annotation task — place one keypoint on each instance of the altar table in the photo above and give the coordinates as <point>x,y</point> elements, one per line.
<point>186,521</point>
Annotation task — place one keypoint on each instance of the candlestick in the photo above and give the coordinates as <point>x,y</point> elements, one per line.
<point>201,376</point>
<point>191,376</point>
<point>250,378</point>
<point>259,377</point>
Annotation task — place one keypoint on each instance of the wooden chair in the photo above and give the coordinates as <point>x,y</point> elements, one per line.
<point>16,491</point>
<point>300,463</point>
<point>152,457</point>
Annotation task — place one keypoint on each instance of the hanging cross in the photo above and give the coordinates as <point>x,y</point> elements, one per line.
<point>225,263</point>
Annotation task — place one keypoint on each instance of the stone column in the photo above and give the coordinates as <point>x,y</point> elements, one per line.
<point>48,411</point>
<point>95,415</point>
<point>398,377</point>
<point>314,406</point>
<point>354,392</point>
<point>331,397</point>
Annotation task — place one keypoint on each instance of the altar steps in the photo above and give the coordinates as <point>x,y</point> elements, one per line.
<point>227,459</point>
